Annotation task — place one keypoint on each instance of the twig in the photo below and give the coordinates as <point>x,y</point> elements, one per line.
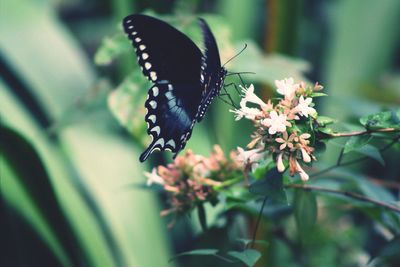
<point>384,183</point>
<point>339,162</point>
<point>346,193</point>
<point>363,132</point>
<point>258,222</point>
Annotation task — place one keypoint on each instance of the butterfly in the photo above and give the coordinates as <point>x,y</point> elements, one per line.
<point>185,79</point>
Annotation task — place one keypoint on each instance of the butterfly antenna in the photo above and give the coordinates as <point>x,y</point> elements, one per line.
<point>229,60</point>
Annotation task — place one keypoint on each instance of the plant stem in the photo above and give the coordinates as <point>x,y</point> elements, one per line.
<point>363,132</point>
<point>339,162</point>
<point>228,182</point>
<point>346,193</point>
<point>258,222</point>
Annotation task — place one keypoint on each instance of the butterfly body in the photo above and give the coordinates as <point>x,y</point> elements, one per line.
<point>185,79</point>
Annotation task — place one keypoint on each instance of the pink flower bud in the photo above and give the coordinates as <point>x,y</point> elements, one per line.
<point>279,163</point>
<point>306,157</point>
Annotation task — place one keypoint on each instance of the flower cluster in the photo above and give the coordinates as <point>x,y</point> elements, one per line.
<point>191,179</point>
<point>283,129</point>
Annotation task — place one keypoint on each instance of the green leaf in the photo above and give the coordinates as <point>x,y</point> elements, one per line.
<point>202,217</point>
<point>374,191</point>
<point>197,252</point>
<point>111,48</point>
<point>271,186</point>
<point>372,152</point>
<point>324,120</point>
<point>356,142</point>
<point>326,130</point>
<point>248,256</point>
<point>384,119</point>
<point>318,94</point>
<point>237,192</point>
<point>247,242</point>
<point>390,250</point>
<point>305,211</point>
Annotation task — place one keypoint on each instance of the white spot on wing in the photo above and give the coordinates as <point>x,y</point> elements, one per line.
<point>134,33</point>
<point>130,27</point>
<point>137,39</point>
<point>171,143</point>
<point>153,75</point>
<point>156,129</point>
<point>153,104</point>
<point>147,65</point>
<point>155,91</point>
<point>152,118</point>
<point>160,142</point>
<point>145,56</point>
<point>142,47</point>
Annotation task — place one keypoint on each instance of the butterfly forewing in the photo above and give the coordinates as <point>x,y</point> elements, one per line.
<point>212,74</point>
<point>210,61</point>
<point>163,52</point>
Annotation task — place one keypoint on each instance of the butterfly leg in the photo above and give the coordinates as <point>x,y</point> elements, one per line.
<point>232,103</point>
<point>234,86</point>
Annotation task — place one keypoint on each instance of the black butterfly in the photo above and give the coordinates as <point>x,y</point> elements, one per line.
<point>185,79</point>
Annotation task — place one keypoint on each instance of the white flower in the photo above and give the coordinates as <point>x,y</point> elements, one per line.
<point>244,111</point>
<point>303,107</point>
<point>279,163</point>
<point>250,156</point>
<point>286,87</point>
<point>276,123</point>
<point>248,113</point>
<point>153,177</point>
<point>250,96</point>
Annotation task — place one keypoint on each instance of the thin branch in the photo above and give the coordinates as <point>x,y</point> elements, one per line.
<point>258,222</point>
<point>384,183</point>
<point>346,193</point>
<point>339,162</point>
<point>363,132</point>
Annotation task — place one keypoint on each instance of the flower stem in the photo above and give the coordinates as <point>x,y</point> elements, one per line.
<point>363,132</point>
<point>258,222</point>
<point>346,193</point>
<point>228,183</point>
<point>340,162</point>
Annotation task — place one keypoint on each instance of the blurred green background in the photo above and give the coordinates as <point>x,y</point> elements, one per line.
<point>70,169</point>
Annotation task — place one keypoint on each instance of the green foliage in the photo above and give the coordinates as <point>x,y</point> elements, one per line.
<point>356,143</point>
<point>271,187</point>
<point>112,48</point>
<point>384,119</point>
<point>372,152</point>
<point>390,251</point>
<point>65,164</point>
<point>248,256</point>
<point>305,212</point>
<point>324,121</point>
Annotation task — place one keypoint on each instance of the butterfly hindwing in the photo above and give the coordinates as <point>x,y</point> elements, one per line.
<point>171,111</point>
